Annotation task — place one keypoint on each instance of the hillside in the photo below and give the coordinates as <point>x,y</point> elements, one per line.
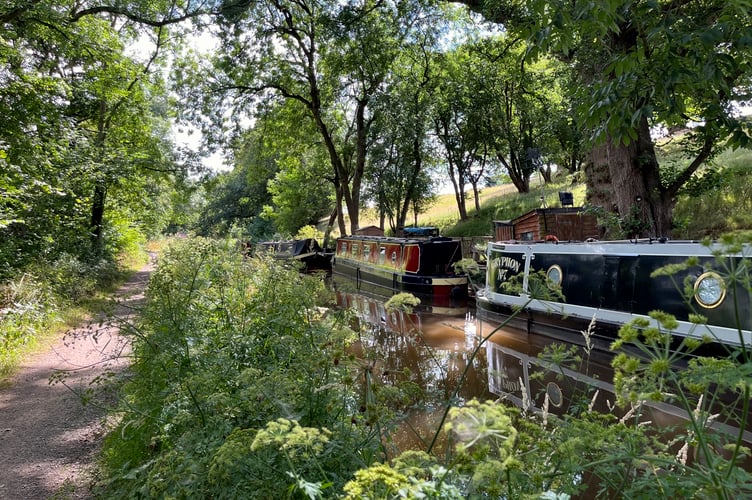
<point>496,203</point>
<point>717,201</point>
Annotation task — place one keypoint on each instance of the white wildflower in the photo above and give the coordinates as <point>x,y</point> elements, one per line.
<point>592,401</point>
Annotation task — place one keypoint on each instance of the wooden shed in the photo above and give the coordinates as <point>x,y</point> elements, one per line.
<point>370,231</point>
<point>566,224</point>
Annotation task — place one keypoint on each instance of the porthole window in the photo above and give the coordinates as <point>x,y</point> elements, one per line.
<point>554,276</point>
<point>555,396</point>
<point>710,290</point>
<point>394,257</point>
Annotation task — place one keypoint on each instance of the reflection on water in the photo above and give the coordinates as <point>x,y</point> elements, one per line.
<point>444,355</point>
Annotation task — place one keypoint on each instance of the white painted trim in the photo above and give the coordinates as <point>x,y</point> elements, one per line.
<point>726,336</point>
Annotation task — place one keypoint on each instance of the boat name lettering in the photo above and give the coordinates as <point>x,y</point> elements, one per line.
<point>506,264</point>
<point>510,385</point>
<point>509,263</point>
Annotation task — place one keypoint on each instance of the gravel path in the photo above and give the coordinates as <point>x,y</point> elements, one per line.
<point>49,438</point>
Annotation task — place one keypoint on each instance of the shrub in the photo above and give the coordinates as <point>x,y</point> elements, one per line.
<point>226,347</point>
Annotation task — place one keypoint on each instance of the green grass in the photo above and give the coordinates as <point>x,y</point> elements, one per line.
<point>496,203</point>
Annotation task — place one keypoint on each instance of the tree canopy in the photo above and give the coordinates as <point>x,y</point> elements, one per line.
<point>84,119</point>
<point>644,64</point>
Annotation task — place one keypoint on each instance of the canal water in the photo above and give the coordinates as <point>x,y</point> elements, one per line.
<point>452,355</point>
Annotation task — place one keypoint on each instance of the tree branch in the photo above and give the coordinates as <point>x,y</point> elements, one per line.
<point>135,17</point>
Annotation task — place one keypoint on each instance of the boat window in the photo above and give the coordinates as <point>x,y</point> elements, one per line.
<point>394,257</point>
<point>355,249</point>
<point>710,290</point>
<point>382,255</point>
<point>527,236</point>
<point>555,395</point>
<point>343,248</point>
<point>366,253</point>
<point>554,276</point>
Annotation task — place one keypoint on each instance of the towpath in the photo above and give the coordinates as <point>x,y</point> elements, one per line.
<point>49,438</point>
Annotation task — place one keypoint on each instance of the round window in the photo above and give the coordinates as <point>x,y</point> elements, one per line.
<point>710,290</point>
<point>555,395</point>
<point>554,275</point>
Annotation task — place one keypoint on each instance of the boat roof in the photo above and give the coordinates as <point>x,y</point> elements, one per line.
<point>643,246</point>
<point>395,239</point>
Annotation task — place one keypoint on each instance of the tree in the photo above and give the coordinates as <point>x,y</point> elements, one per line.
<point>300,193</point>
<point>401,157</point>
<point>84,117</point>
<point>642,64</point>
<point>330,58</point>
<point>455,123</point>
<point>237,198</point>
<point>520,105</point>
<point>277,184</point>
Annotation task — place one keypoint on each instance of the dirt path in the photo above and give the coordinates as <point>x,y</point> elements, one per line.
<point>48,438</point>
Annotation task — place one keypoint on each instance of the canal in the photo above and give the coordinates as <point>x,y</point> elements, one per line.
<point>451,355</point>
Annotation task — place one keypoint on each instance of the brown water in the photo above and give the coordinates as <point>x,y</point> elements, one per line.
<point>453,357</point>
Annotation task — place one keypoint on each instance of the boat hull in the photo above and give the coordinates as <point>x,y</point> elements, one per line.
<point>611,284</point>
<point>391,265</point>
<point>307,252</point>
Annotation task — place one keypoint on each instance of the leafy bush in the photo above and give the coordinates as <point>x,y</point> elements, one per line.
<point>242,388</point>
<point>33,304</point>
<point>27,308</point>
<point>227,347</point>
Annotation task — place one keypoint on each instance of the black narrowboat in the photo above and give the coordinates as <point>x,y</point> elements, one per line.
<point>306,251</point>
<point>423,267</point>
<point>610,284</point>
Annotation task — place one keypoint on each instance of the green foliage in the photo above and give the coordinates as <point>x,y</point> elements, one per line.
<point>651,376</point>
<point>413,475</point>
<point>27,308</point>
<point>722,190</point>
<point>85,136</point>
<point>226,348</point>
<point>242,387</point>
<point>402,302</point>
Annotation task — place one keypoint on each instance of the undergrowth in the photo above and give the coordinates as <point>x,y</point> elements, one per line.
<point>240,384</point>
<point>244,387</point>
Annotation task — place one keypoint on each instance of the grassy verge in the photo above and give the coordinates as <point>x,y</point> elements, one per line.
<point>41,303</point>
<point>501,202</point>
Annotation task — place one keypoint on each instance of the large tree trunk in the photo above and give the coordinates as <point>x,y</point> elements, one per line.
<point>625,180</point>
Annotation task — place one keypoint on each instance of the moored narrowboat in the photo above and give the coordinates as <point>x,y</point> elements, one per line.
<point>423,267</point>
<point>306,251</point>
<point>610,284</point>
